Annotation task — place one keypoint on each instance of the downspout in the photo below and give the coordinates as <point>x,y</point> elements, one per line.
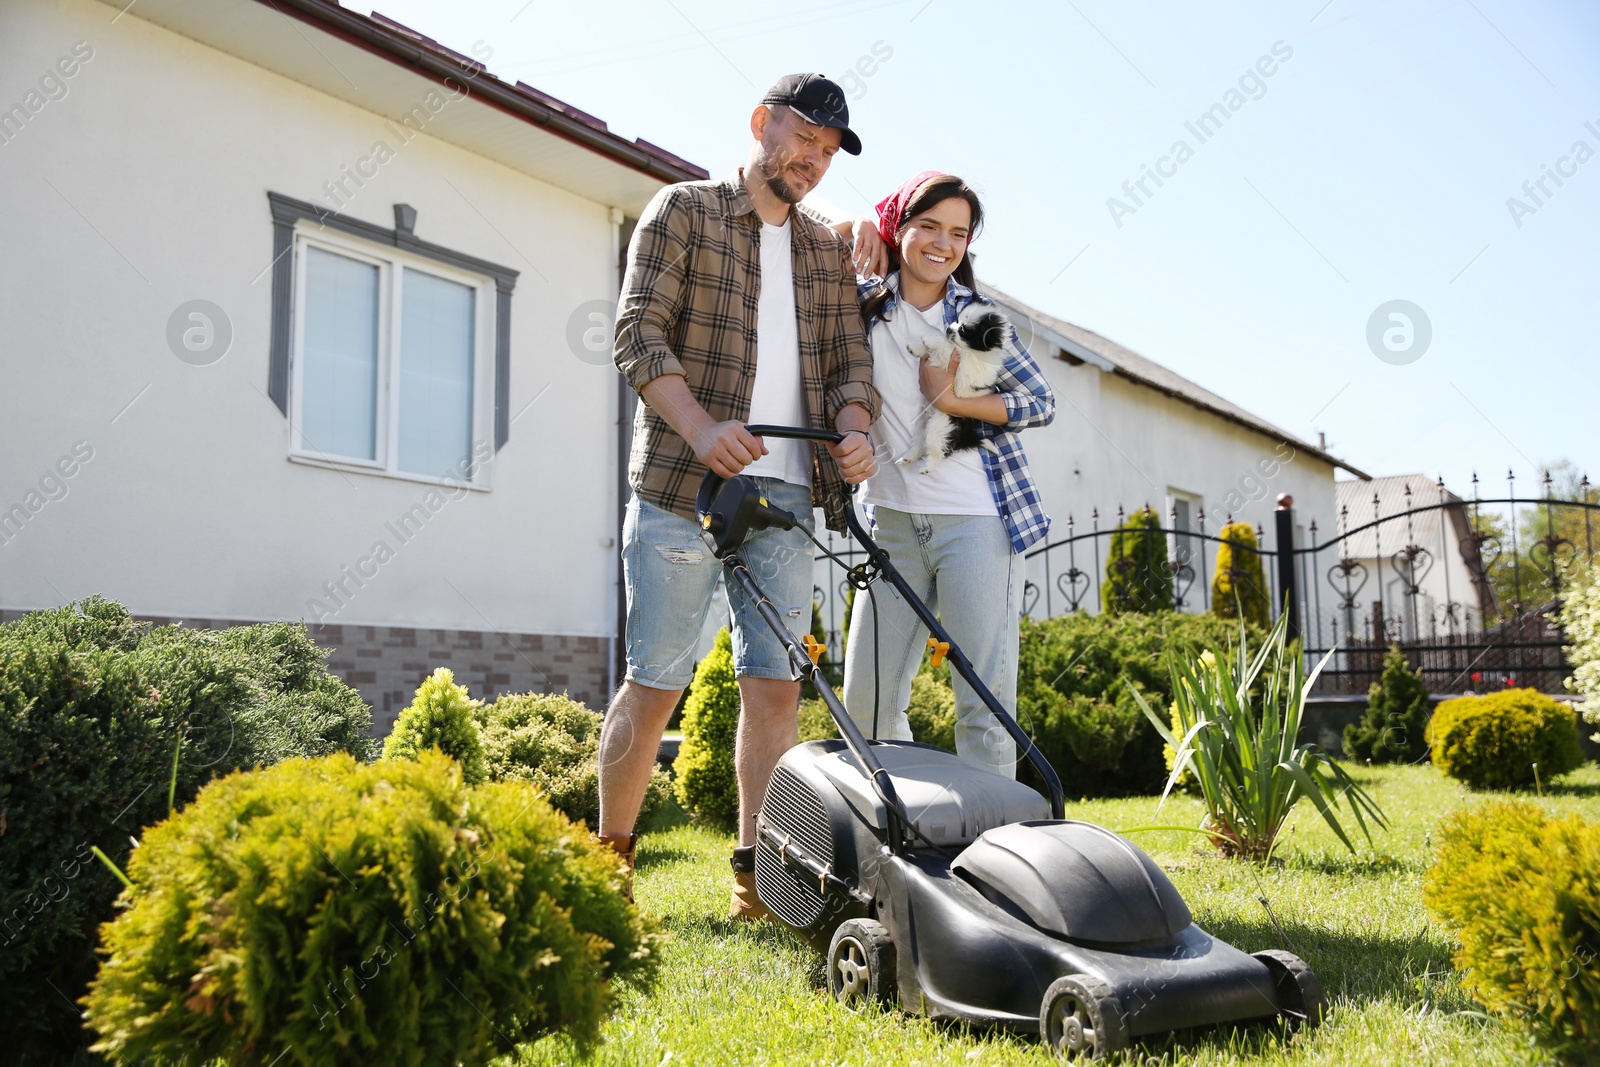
<point>619,592</point>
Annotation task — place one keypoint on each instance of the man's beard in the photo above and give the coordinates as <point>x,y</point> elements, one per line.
<point>780,188</point>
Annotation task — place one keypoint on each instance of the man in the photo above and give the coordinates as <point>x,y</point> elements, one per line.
<point>736,308</point>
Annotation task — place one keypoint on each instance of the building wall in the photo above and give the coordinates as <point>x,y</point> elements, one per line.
<point>148,183</point>
<point>1116,443</point>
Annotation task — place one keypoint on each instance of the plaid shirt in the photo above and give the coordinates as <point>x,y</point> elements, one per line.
<point>689,304</point>
<point>1029,402</point>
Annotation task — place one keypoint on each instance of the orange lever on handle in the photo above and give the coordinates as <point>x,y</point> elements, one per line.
<point>939,650</point>
<point>814,648</point>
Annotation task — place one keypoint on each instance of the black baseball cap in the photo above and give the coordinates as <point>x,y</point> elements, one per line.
<point>819,101</point>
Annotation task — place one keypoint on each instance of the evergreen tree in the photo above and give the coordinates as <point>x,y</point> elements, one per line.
<point>1397,715</point>
<point>707,782</point>
<point>441,716</point>
<point>1138,577</point>
<point>1240,584</point>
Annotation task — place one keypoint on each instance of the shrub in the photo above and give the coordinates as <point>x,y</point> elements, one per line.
<point>554,742</point>
<point>1244,750</point>
<point>1494,741</point>
<point>1521,890</point>
<point>1239,588</point>
<point>441,716</point>
<point>1137,575</point>
<point>1073,695</point>
<point>1580,622</point>
<point>1396,722</point>
<point>707,782</point>
<point>932,711</point>
<point>833,672</point>
<point>816,722</point>
<point>93,706</point>
<point>356,913</point>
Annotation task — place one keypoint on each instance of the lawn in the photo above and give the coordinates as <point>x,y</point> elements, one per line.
<point>739,995</point>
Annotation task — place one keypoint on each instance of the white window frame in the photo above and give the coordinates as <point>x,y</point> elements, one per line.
<point>1195,503</point>
<point>391,263</point>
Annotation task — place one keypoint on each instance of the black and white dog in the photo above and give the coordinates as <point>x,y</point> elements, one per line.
<point>979,336</point>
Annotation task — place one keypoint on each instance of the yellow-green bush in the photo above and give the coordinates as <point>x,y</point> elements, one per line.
<point>932,712</point>
<point>1521,890</point>
<point>358,914</point>
<point>440,716</point>
<point>553,741</point>
<point>707,781</point>
<point>1240,583</point>
<point>816,722</point>
<point>1494,741</point>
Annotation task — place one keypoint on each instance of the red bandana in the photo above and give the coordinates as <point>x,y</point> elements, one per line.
<point>891,207</point>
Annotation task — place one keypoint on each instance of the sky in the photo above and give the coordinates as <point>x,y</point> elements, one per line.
<point>1440,153</point>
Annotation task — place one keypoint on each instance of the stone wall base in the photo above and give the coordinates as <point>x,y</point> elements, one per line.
<point>387,663</point>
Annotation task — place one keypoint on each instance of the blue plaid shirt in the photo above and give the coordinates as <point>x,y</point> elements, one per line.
<point>1029,402</point>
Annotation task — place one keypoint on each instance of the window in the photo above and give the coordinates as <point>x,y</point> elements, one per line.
<point>389,355</point>
<point>1187,550</point>
<point>1185,510</point>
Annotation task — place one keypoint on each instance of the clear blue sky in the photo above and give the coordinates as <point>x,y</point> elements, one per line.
<point>1374,164</point>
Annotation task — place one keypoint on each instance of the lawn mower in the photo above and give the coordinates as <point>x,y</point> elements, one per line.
<point>963,894</point>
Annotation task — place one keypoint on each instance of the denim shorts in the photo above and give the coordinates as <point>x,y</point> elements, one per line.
<point>670,575</point>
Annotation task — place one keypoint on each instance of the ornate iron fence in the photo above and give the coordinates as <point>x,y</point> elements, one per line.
<point>1467,587</point>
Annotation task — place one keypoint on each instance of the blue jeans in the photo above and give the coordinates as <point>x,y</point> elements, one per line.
<point>963,568</point>
<point>670,574</point>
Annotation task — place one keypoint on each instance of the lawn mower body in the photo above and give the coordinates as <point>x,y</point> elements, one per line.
<point>965,894</point>
<point>1012,900</point>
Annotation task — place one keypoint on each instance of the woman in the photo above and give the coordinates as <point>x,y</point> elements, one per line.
<point>957,533</point>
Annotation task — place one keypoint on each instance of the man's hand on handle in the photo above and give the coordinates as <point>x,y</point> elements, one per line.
<point>727,447</point>
<point>853,455</point>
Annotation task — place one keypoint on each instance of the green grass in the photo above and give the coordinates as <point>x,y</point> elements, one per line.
<point>738,995</point>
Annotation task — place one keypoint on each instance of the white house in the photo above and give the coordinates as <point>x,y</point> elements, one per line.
<point>1417,567</point>
<point>298,325</point>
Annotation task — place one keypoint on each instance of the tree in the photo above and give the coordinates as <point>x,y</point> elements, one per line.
<point>1138,577</point>
<point>707,781</point>
<point>441,716</point>
<point>1397,714</point>
<point>1524,578</point>
<point>1240,584</point>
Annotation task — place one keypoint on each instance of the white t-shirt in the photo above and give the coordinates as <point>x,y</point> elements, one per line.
<point>778,396</point>
<point>958,484</point>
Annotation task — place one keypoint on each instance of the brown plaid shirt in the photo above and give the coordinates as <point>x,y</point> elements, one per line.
<point>688,307</point>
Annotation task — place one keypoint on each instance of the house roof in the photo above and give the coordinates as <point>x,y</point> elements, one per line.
<point>387,68</point>
<point>1355,500</point>
<point>1079,344</point>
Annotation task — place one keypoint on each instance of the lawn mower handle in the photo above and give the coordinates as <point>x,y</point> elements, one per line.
<point>797,433</point>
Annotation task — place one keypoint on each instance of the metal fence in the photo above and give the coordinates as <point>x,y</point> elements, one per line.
<point>1468,587</point>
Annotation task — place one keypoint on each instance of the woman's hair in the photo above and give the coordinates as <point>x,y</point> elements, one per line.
<point>933,191</point>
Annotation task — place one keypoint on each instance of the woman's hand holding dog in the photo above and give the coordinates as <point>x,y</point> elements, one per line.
<point>939,383</point>
<point>939,389</point>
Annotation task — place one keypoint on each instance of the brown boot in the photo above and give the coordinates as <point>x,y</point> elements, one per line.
<point>745,905</point>
<point>623,845</point>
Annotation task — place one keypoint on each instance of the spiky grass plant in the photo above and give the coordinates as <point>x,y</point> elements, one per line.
<point>1238,728</point>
